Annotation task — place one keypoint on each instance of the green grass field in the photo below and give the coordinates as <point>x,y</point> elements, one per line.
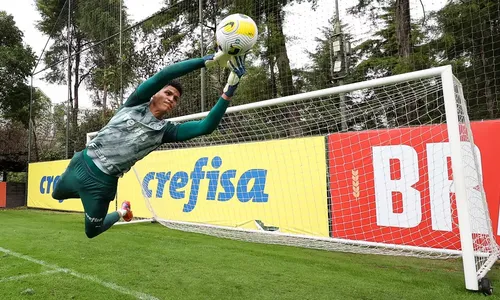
<point>46,255</point>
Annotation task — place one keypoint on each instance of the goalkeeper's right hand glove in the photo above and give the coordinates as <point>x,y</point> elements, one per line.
<point>218,59</point>
<point>237,66</point>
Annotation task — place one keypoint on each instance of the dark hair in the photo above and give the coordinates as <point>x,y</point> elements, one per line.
<point>176,84</point>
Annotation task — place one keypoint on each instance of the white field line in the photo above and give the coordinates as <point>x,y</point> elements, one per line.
<point>94,279</point>
<point>14,278</point>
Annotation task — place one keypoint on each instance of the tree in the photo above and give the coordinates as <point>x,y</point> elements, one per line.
<point>40,113</point>
<point>179,25</point>
<point>325,115</point>
<point>159,38</point>
<point>403,28</point>
<point>402,20</point>
<point>16,63</point>
<point>382,57</point>
<point>90,22</point>
<point>51,133</point>
<point>469,39</point>
<point>13,149</point>
<point>382,51</point>
<point>107,72</point>
<point>270,13</point>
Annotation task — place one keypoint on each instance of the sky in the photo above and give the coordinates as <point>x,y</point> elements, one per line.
<point>301,26</point>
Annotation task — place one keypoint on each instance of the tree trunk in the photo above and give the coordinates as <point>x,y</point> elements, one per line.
<point>277,48</point>
<point>490,101</point>
<point>403,27</point>
<point>105,97</point>
<point>35,141</point>
<point>106,85</point>
<point>274,88</point>
<point>403,35</point>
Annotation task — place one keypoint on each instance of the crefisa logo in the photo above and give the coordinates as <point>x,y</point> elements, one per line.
<point>247,186</point>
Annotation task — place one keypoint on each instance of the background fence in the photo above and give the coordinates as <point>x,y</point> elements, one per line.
<point>98,51</point>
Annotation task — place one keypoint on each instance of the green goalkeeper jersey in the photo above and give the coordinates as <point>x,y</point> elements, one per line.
<point>134,131</point>
<point>128,137</point>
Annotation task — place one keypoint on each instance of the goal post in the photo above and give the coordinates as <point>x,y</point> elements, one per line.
<point>453,126</point>
<point>405,179</point>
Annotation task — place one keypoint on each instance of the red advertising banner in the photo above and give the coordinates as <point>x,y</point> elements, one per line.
<point>396,186</point>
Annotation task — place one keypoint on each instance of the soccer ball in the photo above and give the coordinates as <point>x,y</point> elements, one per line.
<point>236,34</point>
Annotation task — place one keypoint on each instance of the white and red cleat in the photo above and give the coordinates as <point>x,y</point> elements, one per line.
<point>127,217</point>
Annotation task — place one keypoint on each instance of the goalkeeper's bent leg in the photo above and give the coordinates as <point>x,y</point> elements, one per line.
<point>96,196</point>
<point>82,179</point>
<point>97,219</point>
<point>97,190</point>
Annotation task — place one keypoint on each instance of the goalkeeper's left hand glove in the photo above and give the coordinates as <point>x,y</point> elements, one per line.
<point>237,66</point>
<point>218,59</point>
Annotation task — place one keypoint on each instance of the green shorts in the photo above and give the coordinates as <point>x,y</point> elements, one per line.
<point>82,179</point>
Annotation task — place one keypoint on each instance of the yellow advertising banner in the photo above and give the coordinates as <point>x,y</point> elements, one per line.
<point>279,184</point>
<point>42,178</point>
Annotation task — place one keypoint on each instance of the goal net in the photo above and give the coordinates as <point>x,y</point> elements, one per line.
<point>404,179</point>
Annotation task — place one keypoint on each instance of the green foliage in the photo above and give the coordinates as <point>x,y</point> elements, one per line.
<point>173,34</point>
<point>16,59</point>
<point>20,177</point>
<point>381,51</point>
<point>105,73</point>
<point>50,12</point>
<point>16,63</point>
<point>13,150</point>
<point>53,22</point>
<point>380,56</point>
<point>473,51</point>
<point>255,79</point>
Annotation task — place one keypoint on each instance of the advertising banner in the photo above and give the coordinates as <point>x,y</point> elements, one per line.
<point>279,184</point>
<point>396,186</point>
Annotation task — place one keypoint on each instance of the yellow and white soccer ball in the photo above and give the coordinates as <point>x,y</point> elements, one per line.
<point>236,34</point>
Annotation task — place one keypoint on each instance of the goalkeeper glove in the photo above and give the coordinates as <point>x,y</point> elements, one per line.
<point>237,66</point>
<point>218,59</point>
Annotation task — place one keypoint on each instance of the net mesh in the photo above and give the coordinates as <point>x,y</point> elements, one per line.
<point>301,48</point>
<point>390,188</point>
<point>483,237</point>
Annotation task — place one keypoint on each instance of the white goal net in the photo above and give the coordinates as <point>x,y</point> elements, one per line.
<point>406,178</point>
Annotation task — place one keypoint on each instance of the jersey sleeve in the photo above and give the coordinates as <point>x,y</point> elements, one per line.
<point>148,88</point>
<point>170,133</point>
<point>192,129</point>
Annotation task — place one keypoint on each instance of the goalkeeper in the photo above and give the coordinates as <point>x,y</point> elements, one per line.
<point>136,129</point>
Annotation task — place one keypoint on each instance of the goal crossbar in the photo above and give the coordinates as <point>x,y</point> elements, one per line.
<point>422,74</point>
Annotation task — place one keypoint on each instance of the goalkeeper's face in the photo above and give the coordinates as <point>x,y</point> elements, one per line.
<point>166,99</point>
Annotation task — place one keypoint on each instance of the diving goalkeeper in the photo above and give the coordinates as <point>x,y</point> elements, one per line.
<point>138,128</point>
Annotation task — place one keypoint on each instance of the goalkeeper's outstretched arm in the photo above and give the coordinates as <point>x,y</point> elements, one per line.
<point>192,129</point>
<point>148,88</point>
